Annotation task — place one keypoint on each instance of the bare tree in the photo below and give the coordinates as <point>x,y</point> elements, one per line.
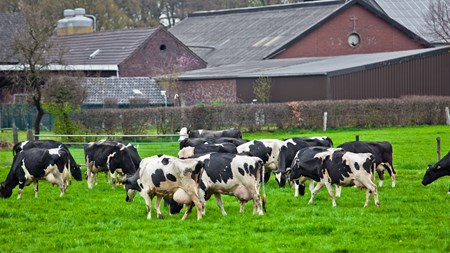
<point>438,19</point>
<point>33,50</point>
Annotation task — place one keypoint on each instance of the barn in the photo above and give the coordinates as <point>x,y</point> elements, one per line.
<point>357,76</point>
<point>322,50</point>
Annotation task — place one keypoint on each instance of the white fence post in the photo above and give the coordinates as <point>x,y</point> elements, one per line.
<point>447,115</point>
<point>325,118</point>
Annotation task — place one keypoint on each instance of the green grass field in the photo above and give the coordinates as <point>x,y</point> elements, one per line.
<point>412,217</point>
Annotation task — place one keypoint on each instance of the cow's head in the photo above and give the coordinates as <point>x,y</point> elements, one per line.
<point>75,170</point>
<point>186,152</point>
<point>294,170</point>
<point>441,168</point>
<point>184,133</point>
<point>131,185</point>
<point>434,172</point>
<point>5,191</point>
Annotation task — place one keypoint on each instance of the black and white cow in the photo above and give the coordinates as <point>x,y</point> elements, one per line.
<point>207,148</point>
<point>112,157</point>
<point>329,166</point>
<point>382,152</point>
<point>267,150</point>
<point>31,165</point>
<point>201,133</point>
<point>235,175</point>
<point>194,142</point>
<point>288,151</point>
<point>75,169</point>
<point>164,175</point>
<point>439,169</point>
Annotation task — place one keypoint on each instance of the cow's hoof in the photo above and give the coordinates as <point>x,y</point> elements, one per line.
<point>160,216</point>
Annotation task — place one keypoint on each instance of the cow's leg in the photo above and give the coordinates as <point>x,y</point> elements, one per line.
<point>19,192</point>
<point>338,190</point>
<point>113,179</point>
<point>314,192</point>
<point>311,185</point>
<point>35,186</point>
<point>157,207</point>
<point>188,211</point>
<point>391,172</point>
<point>199,204</point>
<point>242,206</point>
<point>297,188</point>
<point>220,203</point>
<point>331,193</point>
<point>380,172</point>
<point>257,208</point>
<point>148,203</point>
<point>371,188</point>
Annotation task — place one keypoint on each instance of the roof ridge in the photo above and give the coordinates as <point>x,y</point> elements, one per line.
<point>264,8</point>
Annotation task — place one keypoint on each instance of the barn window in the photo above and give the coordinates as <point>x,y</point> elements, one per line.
<point>162,47</point>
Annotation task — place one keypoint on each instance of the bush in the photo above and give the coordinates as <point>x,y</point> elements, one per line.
<point>255,117</point>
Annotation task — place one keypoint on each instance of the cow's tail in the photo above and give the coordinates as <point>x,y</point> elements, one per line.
<point>263,196</point>
<point>16,148</point>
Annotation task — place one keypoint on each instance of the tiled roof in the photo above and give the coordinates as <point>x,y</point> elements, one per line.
<point>236,35</point>
<point>123,90</point>
<point>110,48</point>
<point>409,13</point>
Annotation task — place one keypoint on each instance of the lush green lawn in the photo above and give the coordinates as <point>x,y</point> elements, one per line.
<point>412,218</point>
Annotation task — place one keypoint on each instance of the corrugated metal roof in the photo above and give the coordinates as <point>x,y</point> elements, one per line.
<point>122,90</point>
<point>410,13</point>
<point>102,47</point>
<point>230,36</point>
<point>307,66</point>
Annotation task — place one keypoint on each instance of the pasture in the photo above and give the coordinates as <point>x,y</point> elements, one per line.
<point>412,217</point>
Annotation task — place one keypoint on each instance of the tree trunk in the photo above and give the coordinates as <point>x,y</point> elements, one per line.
<point>40,113</point>
<point>37,121</point>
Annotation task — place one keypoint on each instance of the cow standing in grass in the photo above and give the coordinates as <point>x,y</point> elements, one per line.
<point>170,176</point>
<point>35,164</point>
<point>75,170</point>
<point>382,151</point>
<point>115,158</point>
<point>329,166</point>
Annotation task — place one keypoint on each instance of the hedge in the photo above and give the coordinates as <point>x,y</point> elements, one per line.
<point>405,111</point>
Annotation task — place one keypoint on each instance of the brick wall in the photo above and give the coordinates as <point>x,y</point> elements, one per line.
<point>161,54</point>
<point>330,38</point>
<point>207,91</point>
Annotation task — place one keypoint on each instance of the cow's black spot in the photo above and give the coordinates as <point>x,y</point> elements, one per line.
<point>165,161</point>
<point>158,177</point>
<point>171,177</point>
<point>356,166</point>
<point>241,171</point>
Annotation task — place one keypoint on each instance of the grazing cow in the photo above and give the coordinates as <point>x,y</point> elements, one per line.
<point>207,148</point>
<point>31,165</point>
<point>75,169</point>
<point>164,175</point>
<point>383,156</point>
<point>267,150</point>
<point>329,166</point>
<point>232,132</point>
<point>235,175</point>
<point>194,142</point>
<point>439,169</point>
<point>115,157</point>
<point>289,150</point>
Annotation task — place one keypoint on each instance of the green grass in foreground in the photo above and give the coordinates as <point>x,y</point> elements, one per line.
<point>412,218</point>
